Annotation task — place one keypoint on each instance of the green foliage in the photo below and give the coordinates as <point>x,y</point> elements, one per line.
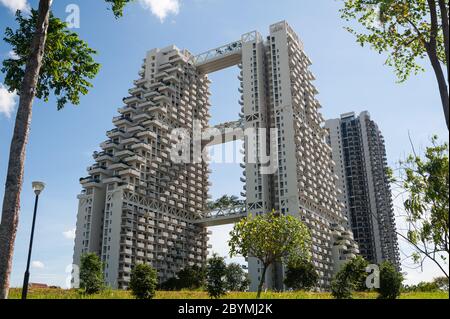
<point>143,281</point>
<point>438,284</point>
<point>216,274</point>
<point>15,293</point>
<point>117,6</point>
<point>225,202</point>
<point>422,287</point>
<point>390,281</point>
<point>342,287</point>
<point>441,283</point>
<point>237,279</point>
<point>67,64</point>
<point>301,275</point>
<point>271,238</point>
<point>352,277</point>
<point>192,277</point>
<point>172,284</point>
<point>91,274</point>
<point>400,28</point>
<point>425,180</point>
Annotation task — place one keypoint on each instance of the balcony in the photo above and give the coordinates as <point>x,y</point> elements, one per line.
<point>115,133</point>
<point>130,171</point>
<point>90,182</point>
<point>131,99</point>
<point>124,153</point>
<point>98,169</point>
<point>103,156</point>
<point>122,120</point>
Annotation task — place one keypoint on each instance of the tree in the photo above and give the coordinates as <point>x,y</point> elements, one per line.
<point>191,277</point>
<point>91,274</point>
<point>46,52</point>
<point>438,284</point>
<point>408,30</point>
<point>390,281</point>
<point>342,287</point>
<point>271,238</point>
<point>352,277</point>
<point>301,275</point>
<point>237,279</point>
<point>225,202</point>
<point>216,279</point>
<point>424,181</point>
<point>170,284</point>
<point>118,6</point>
<point>143,281</point>
<point>441,283</point>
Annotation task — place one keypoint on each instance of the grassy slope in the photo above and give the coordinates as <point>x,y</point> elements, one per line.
<point>117,294</point>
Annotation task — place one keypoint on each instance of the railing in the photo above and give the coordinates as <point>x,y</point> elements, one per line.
<point>222,51</point>
<point>220,212</point>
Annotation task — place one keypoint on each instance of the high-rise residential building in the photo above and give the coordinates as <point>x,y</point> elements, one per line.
<point>360,157</point>
<point>139,205</point>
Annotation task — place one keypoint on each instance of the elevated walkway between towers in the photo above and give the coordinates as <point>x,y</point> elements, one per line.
<point>223,133</point>
<point>223,57</point>
<point>222,216</point>
<point>219,58</point>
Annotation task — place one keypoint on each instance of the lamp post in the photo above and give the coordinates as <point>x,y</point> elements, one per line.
<point>38,187</point>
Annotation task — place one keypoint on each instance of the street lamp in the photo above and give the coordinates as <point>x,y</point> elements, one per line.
<point>38,187</point>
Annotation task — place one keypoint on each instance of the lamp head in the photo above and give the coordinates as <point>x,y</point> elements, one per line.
<point>38,187</point>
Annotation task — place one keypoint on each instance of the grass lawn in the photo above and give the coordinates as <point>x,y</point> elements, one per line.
<point>15,293</point>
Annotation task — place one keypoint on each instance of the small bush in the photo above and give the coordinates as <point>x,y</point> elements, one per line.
<point>237,278</point>
<point>91,274</point>
<point>143,281</point>
<point>191,277</point>
<point>390,281</point>
<point>352,277</point>
<point>342,287</point>
<point>216,282</point>
<point>301,275</point>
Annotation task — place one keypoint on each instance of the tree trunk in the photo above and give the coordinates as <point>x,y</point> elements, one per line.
<point>443,88</point>
<point>14,178</point>
<point>432,54</point>
<point>445,31</point>
<point>261,282</point>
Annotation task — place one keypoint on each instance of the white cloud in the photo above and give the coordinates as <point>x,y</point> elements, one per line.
<point>37,264</point>
<point>7,101</point>
<point>162,8</point>
<point>15,5</point>
<point>13,55</point>
<point>70,234</point>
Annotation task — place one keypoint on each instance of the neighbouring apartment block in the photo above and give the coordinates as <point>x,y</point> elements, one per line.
<point>360,156</point>
<point>139,206</point>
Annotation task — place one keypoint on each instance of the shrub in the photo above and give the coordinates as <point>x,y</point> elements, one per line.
<point>143,281</point>
<point>171,284</point>
<point>91,274</point>
<point>341,286</point>
<point>216,282</point>
<point>237,279</point>
<point>191,277</point>
<point>301,275</point>
<point>351,277</point>
<point>390,281</point>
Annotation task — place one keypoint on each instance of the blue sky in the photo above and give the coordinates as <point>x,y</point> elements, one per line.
<point>349,78</point>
